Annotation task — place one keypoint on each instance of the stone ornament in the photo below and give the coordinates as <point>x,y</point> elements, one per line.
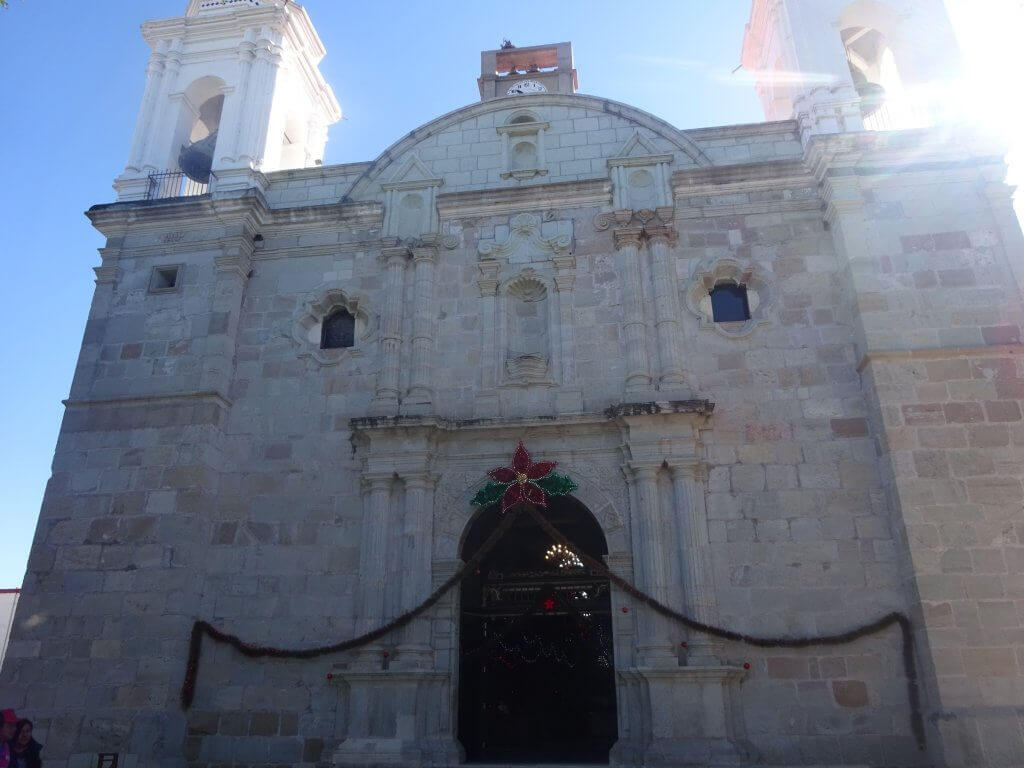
<point>527,238</point>
<point>321,302</point>
<point>709,274</point>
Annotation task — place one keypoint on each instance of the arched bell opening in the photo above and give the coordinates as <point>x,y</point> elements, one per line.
<point>198,127</point>
<point>536,678</point>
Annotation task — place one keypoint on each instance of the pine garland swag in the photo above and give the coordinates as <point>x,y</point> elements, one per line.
<point>556,484</point>
<point>201,628</point>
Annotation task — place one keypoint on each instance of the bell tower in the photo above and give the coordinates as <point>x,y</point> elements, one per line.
<point>842,65</point>
<point>233,90</point>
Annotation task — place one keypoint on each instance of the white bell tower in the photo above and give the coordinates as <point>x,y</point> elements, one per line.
<point>846,65</point>
<point>233,89</point>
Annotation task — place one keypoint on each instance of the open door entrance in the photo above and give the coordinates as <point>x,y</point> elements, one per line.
<point>537,681</point>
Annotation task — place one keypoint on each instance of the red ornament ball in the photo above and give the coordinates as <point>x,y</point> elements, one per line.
<point>683,644</point>
<point>330,676</point>
<point>746,665</point>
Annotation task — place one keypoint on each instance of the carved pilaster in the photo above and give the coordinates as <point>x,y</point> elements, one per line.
<point>393,260</point>
<point>423,332</point>
<point>488,283</point>
<point>569,398</point>
<point>638,371</point>
<point>374,564</point>
<point>654,645</point>
<point>417,537</point>
<point>694,545</point>
<point>666,307</point>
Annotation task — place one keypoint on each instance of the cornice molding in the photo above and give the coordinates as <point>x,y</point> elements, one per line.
<point>504,201</point>
<point>728,179</point>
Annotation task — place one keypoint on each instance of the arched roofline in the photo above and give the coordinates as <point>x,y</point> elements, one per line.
<point>385,159</point>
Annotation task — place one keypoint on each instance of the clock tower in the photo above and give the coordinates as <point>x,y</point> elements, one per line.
<point>512,71</point>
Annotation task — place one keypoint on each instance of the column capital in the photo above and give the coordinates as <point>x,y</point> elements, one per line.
<point>424,253</point>
<point>686,470</point>
<point>642,470</point>
<point>420,480</point>
<point>626,237</point>
<point>564,262</point>
<point>666,235</point>
<point>377,481</point>
<point>564,282</point>
<point>394,255</point>
<point>488,281</point>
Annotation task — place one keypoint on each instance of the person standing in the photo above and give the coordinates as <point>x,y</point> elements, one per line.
<point>24,749</point>
<point>7,726</point>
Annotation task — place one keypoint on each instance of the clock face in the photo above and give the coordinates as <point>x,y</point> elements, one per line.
<point>526,86</point>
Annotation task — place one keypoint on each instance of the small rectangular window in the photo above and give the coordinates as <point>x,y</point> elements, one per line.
<point>164,279</point>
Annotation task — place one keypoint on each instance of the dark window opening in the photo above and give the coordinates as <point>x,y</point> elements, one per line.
<point>163,279</point>
<point>339,330</point>
<point>729,303</point>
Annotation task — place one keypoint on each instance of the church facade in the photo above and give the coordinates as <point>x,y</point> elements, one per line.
<point>778,367</point>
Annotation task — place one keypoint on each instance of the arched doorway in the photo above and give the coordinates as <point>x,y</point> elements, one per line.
<point>537,680</point>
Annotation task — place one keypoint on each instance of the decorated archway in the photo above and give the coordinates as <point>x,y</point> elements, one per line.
<point>536,681</point>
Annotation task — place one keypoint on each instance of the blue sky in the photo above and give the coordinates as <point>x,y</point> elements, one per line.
<point>73,78</point>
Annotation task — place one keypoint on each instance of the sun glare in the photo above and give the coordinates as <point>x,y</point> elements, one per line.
<point>989,32</point>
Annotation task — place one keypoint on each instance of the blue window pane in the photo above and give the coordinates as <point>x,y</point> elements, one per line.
<point>339,330</point>
<point>729,303</point>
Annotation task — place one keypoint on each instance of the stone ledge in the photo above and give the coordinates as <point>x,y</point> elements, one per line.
<point>937,353</point>
<point>145,412</point>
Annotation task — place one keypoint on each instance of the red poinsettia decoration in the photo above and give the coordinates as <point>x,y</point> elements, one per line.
<point>525,480</point>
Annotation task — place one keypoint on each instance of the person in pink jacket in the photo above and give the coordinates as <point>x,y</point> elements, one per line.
<point>10,720</point>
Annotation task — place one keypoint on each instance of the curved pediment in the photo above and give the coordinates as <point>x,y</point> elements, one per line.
<point>539,138</point>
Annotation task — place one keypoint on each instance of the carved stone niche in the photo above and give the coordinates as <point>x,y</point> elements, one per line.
<point>526,330</point>
<point>321,303</point>
<point>522,144</point>
<point>711,273</point>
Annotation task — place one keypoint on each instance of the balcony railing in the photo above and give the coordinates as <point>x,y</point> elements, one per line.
<point>175,184</point>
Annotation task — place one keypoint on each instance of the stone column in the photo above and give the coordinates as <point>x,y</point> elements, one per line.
<point>235,100</point>
<point>252,138</point>
<point>420,390</point>
<point>486,399</point>
<point>638,371</point>
<point>154,78</point>
<point>666,308</point>
<point>417,543</point>
<point>569,397</point>
<point>394,260</point>
<point>697,574</point>
<point>374,563</point>
<point>655,647</point>
<point>158,150</point>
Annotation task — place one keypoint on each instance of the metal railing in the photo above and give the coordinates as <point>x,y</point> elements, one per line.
<point>896,115</point>
<point>175,184</point>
